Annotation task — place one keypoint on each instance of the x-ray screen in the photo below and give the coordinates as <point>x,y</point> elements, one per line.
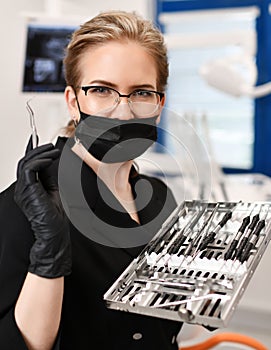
<point>45,48</point>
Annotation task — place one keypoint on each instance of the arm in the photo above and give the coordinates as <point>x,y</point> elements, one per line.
<point>38,311</point>
<point>38,308</point>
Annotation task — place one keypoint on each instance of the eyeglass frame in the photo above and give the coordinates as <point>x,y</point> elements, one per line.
<point>85,88</point>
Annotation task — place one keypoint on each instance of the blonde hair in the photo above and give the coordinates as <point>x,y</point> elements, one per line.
<point>116,26</point>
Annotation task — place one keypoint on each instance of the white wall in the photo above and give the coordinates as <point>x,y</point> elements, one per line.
<point>50,110</point>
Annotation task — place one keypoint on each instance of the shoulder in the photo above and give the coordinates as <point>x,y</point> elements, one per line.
<point>16,236</point>
<point>10,213</point>
<point>60,142</point>
<point>6,197</point>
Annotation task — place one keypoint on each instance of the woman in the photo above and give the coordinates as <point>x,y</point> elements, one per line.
<point>56,265</point>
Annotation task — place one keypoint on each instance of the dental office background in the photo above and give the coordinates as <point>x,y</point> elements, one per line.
<point>219,87</point>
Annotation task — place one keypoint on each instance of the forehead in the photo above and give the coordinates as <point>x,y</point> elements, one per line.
<point>122,64</point>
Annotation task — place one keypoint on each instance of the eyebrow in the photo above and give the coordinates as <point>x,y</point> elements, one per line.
<point>114,86</point>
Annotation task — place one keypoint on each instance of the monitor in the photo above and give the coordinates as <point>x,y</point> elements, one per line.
<point>44,52</point>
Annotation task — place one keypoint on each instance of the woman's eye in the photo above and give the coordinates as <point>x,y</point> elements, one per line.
<point>142,94</point>
<point>99,90</point>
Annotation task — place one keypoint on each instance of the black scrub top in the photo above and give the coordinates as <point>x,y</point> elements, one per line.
<point>99,257</point>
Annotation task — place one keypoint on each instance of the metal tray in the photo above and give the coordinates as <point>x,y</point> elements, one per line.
<point>187,275</point>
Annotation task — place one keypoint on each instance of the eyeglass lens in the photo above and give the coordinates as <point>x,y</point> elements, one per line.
<point>143,103</point>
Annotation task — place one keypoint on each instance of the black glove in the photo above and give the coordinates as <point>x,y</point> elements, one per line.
<point>36,193</point>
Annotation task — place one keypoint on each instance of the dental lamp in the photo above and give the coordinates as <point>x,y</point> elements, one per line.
<point>235,75</point>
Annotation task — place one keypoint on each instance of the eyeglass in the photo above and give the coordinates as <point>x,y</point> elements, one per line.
<point>143,103</point>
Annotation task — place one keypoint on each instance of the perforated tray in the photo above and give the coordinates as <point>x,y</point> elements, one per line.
<point>173,279</point>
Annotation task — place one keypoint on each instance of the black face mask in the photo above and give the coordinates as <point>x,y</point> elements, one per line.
<point>114,140</point>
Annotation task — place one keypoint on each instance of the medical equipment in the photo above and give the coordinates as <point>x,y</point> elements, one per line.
<point>224,74</point>
<point>186,272</point>
<point>32,124</point>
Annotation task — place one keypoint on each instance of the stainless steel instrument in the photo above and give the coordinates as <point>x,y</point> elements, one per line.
<point>181,277</point>
<point>32,124</point>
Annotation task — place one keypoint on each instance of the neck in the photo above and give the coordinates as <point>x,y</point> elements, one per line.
<point>115,176</point>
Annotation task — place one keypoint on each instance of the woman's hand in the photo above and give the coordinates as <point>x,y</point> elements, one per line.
<point>37,195</point>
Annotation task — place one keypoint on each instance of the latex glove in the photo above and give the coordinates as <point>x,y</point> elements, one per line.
<point>36,193</point>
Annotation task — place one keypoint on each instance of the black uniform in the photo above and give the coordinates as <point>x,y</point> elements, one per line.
<point>86,323</point>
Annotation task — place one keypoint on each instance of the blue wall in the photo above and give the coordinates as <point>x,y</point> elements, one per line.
<point>262,116</point>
